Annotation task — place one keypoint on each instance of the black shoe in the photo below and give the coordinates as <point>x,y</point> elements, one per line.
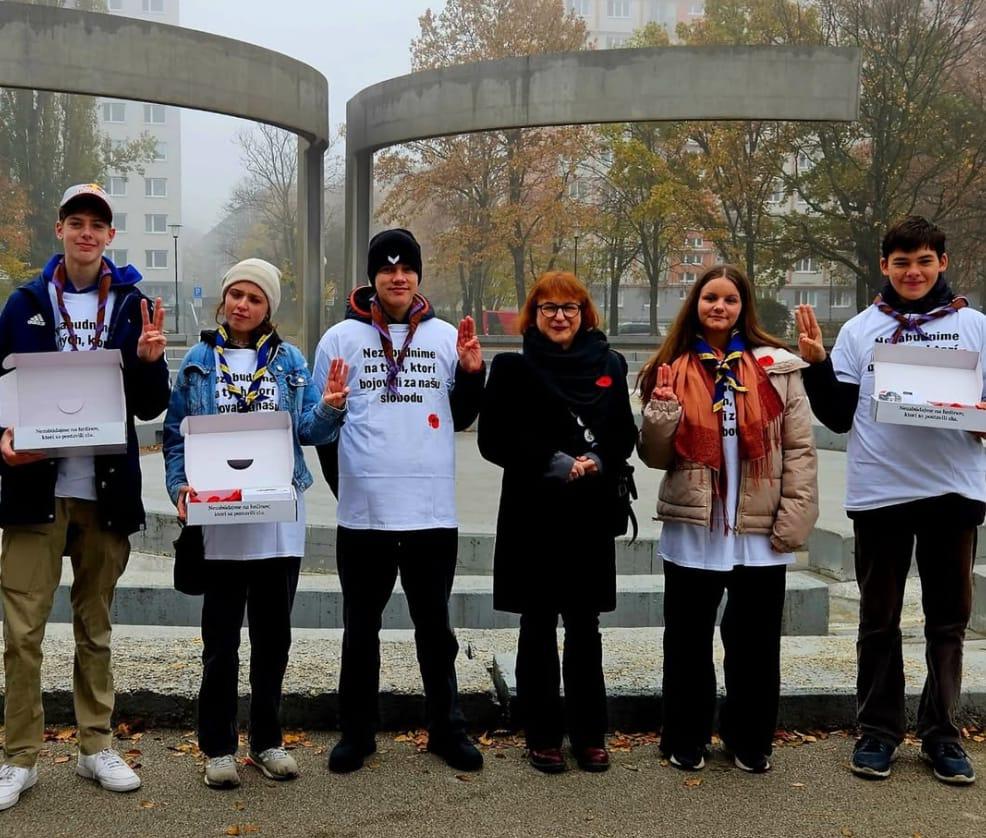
<point>949,762</point>
<point>688,759</point>
<point>871,758</point>
<point>457,751</point>
<point>349,753</point>
<point>752,762</point>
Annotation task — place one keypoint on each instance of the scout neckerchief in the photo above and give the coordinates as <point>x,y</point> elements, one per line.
<point>244,399</point>
<point>419,308</point>
<point>723,369</point>
<point>58,279</point>
<point>914,322</point>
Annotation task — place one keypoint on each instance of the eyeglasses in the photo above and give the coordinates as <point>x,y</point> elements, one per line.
<point>570,310</point>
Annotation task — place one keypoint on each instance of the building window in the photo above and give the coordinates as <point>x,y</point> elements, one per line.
<point>804,163</point>
<point>777,193</point>
<point>808,265</point>
<point>578,190</point>
<point>156,222</point>
<point>694,241</point>
<point>120,222</point>
<point>618,8</point>
<point>160,152</point>
<point>154,114</point>
<point>114,112</point>
<point>580,7</point>
<point>153,6</point>
<point>613,42</point>
<point>155,187</point>
<point>117,257</point>
<point>691,259</point>
<point>156,258</point>
<point>841,298</point>
<point>806,297</point>
<point>688,278</point>
<point>116,186</point>
<point>696,9</point>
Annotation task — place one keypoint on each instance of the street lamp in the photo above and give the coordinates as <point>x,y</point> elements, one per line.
<point>175,230</point>
<point>575,269</point>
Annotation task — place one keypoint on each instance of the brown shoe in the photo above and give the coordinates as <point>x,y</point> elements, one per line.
<point>548,760</point>
<point>593,759</point>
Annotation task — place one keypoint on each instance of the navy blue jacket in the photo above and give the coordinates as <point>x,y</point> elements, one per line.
<point>27,493</point>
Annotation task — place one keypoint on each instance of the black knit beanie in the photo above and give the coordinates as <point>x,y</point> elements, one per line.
<point>393,247</point>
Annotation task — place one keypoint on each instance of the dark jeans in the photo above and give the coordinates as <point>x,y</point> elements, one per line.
<point>368,562</point>
<point>265,589</point>
<point>885,540</point>
<point>751,636</point>
<point>538,680</point>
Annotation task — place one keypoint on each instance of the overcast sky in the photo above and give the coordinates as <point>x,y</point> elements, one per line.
<point>353,43</point>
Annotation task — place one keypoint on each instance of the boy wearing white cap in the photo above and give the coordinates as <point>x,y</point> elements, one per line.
<point>84,507</point>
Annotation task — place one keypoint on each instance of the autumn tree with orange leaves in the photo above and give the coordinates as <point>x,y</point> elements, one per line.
<point>504,194</point>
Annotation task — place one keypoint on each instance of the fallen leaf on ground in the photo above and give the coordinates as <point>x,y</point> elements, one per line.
<point>239,805</point>
<point>693,782</point>
<point>631,767</point>
<point>797,785</point>
<point>62,759</point>
<point>465,778</point>
<point>148,804</point>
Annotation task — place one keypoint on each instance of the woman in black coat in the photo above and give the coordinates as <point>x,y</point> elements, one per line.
<point>558,420</point>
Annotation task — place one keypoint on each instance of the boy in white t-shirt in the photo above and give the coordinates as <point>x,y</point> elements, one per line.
<point>82,507</point>
<point>905,486</point>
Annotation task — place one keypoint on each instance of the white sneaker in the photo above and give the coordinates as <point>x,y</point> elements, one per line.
<point>220,772</point>
<point>14,780</point>
<point>275,763</point>
<point>107,769</point>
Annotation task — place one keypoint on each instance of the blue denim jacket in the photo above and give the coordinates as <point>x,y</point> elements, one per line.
<point>194,394</point>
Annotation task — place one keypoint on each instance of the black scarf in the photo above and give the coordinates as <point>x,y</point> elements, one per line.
<point>940,294</point>
<point>572,374</point>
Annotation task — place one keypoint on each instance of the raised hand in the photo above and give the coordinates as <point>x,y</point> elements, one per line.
<point>809,335</point>
<point>662,391</point>
<point>467,346</point>
<point>17,458</point>
<point>336,389</point>
<point>152,342</point>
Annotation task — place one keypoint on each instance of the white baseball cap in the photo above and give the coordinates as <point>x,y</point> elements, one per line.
<point>92,190</point>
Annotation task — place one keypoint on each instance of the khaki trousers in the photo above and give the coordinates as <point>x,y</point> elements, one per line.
<point>30,570</point>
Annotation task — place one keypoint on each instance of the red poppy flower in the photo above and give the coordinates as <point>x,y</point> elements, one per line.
<point>434,421</point>
<point>765,360</point>
<point>604,381</point>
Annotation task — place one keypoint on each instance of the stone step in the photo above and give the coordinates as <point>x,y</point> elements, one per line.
<point>145,596</point>
<point>978,621</point>
<point>157,672</point>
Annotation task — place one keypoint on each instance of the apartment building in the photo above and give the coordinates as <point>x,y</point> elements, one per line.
<point>147,206</point>
<point>611,22</point>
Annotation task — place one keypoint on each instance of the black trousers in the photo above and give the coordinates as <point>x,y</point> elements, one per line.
<point>368,562</point>
<point>265,589</point>
<point>538,680</point>
<point>751,637</point>
<point>885,540</point>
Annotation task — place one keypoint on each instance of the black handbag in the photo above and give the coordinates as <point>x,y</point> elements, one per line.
<point>626,493</point>
<point>190,561</point>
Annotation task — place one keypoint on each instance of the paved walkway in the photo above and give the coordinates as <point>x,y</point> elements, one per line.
<point>402,793</point>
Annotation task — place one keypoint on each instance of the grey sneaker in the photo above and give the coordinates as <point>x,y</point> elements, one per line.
<point>220,772</point>
<point>13,782</point>
<point>275,763</point>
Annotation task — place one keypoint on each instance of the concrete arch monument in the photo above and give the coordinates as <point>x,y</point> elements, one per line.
<point>68,51</point>
<point>625,85</point>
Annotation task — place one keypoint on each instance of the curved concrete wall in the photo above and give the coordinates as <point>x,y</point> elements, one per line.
<point>625,85</point>
<point>47,48</point>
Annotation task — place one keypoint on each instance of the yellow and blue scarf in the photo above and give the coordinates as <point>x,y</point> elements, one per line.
<point>244,400</point>
<point>722,369</point>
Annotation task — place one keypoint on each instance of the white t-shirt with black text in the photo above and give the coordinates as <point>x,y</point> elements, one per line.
<point>77,475</point>
<point>251,541</point>
<point>892,464</point>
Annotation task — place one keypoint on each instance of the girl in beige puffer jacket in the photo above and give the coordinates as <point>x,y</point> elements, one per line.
<point>726,417</point>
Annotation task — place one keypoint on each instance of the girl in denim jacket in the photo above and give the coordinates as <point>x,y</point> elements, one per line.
<point>245,366</point>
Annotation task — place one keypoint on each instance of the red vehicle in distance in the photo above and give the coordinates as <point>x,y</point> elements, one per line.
<point>497,322</point>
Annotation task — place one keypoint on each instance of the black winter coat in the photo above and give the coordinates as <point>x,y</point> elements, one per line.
<point>554,541</point>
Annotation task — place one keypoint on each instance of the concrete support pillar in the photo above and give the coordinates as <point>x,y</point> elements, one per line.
<point>311,255</point>
<point>359,195</point>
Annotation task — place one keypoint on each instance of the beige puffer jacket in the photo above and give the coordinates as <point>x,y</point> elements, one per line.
<point>785,506</point>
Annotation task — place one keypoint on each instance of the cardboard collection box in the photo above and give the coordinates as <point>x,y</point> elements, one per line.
<point>927,387</point>
<point>240,465</point>
<point>65,404</point>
